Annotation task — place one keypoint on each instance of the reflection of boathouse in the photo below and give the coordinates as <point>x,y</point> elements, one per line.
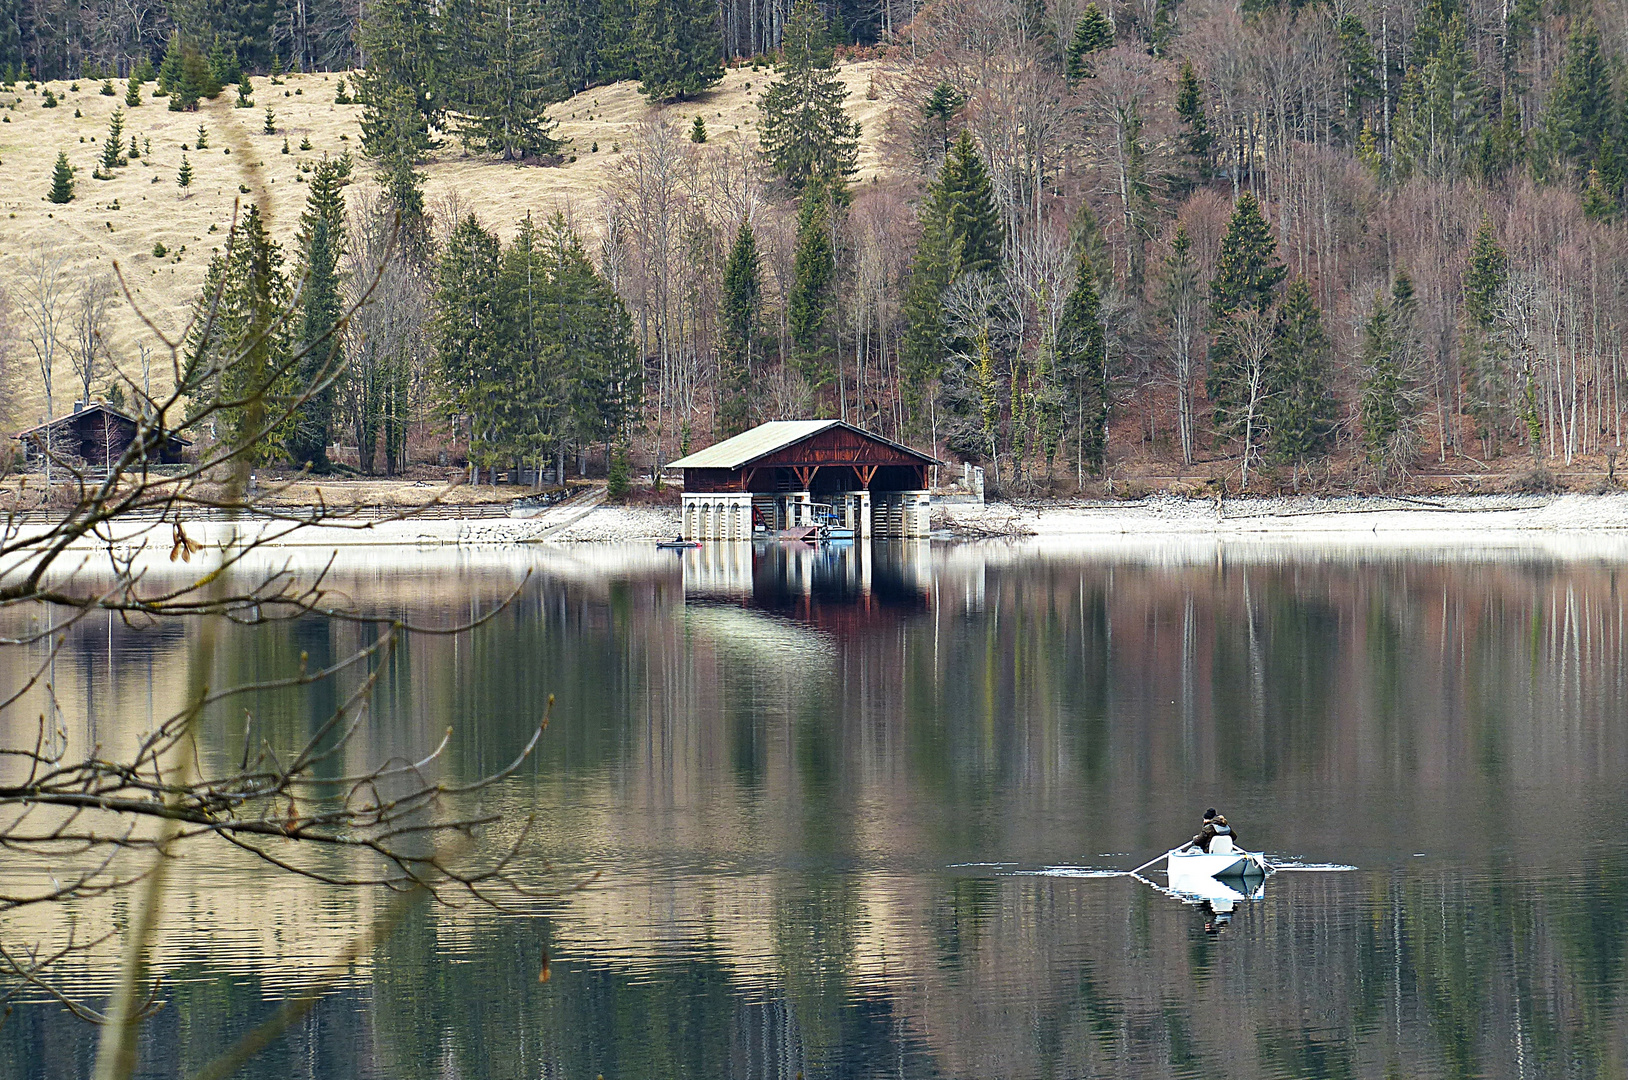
<point>805,474</point>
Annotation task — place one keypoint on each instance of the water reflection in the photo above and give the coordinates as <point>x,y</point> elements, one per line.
<point>817,784</point>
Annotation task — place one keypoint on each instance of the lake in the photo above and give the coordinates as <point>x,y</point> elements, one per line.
<point>837,814</point>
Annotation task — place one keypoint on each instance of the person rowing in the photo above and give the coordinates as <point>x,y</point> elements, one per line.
<point>1215,825</point>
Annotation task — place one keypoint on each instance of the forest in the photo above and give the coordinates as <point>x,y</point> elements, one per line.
<point>1326,244</point>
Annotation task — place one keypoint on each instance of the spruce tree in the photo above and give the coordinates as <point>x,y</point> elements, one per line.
<point>1246,276</point>
<point>61,180</point>
<point>1485,275</point>
<point>1358,66</point>
<point>468,329</point>
<point>594,333</point>
<point>224,68</point>
<point>1082,368</point>
<point>1300,409</point>
<point>965,198</point>
<point>239,353</point>
<point>245,93</point>
<point>1579,120</point>
<point>1440,121</point>
<point>132,92</point>
<point>680,48</point>
<point>809,301</point>
<point>1195,137</point>
<point>113,146</point>
<point>926,342</point>
<point>1388,397</point>
<point>698,130</point>
<point>169,71</point>
<point>503,81</point>
<point>321,348</point>
<point>1092,34</point>
<point>805,130</point>
<point>940,107</point>
<point>1379,409</point>
<point>404,42</point>
<point>183,176</point>
<point>1487,392</point>
<point>961,233</point>
<point>742,310</point>
<point>321,241</point>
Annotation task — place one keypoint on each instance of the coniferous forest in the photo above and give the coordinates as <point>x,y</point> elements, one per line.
<point>1326,244</point>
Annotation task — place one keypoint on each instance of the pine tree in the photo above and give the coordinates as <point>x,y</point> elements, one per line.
<point>1195,133</point>
<point>680,48</point>
<point>698,130</point>
<point>61,180</point>
<point>809,301</point>
<point>132,93</point>
<point>1082,369</point>
<point>1300,409</point>
<point>805,130</point>
<point>269,127</point>
<point>183,177</point>
<point>1246,276</point>
<point>245,92</point>
<point>1092,34</point>
<point>203,138</point>
<point>742,309</point>
<point>239,354</point>
<point>503,81</point>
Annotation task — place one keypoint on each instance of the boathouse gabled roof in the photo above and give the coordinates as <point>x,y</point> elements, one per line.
<point>766,439</point>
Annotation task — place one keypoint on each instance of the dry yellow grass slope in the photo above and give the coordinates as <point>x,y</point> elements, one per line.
<point>119,221</point>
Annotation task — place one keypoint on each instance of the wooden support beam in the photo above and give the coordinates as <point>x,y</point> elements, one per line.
<point>866,474</point>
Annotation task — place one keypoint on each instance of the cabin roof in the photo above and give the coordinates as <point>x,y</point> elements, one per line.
<point>766,439</point>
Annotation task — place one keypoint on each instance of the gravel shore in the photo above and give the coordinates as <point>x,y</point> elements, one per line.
<point>1167,515</point>
<point>1448,519</point>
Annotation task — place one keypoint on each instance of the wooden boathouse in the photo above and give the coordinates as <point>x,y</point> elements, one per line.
<point>814,476</point>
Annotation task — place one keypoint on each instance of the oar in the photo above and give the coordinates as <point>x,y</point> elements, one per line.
<point>1149,863</point>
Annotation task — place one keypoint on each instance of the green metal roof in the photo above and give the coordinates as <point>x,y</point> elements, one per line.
<point>765,439</point>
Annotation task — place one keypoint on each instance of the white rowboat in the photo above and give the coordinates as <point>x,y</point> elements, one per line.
<point>1193,864</point>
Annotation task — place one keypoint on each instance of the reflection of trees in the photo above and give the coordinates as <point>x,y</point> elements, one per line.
<point>1046,715</point>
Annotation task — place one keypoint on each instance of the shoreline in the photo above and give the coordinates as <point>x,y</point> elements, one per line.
<point>1441,519</point>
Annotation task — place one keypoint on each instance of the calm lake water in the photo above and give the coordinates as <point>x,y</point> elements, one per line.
<point>843,807</point>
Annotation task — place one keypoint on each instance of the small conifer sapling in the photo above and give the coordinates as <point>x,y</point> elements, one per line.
<point>62,180</point>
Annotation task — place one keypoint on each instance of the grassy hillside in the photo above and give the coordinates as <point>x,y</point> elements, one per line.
<point>117,222</point>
